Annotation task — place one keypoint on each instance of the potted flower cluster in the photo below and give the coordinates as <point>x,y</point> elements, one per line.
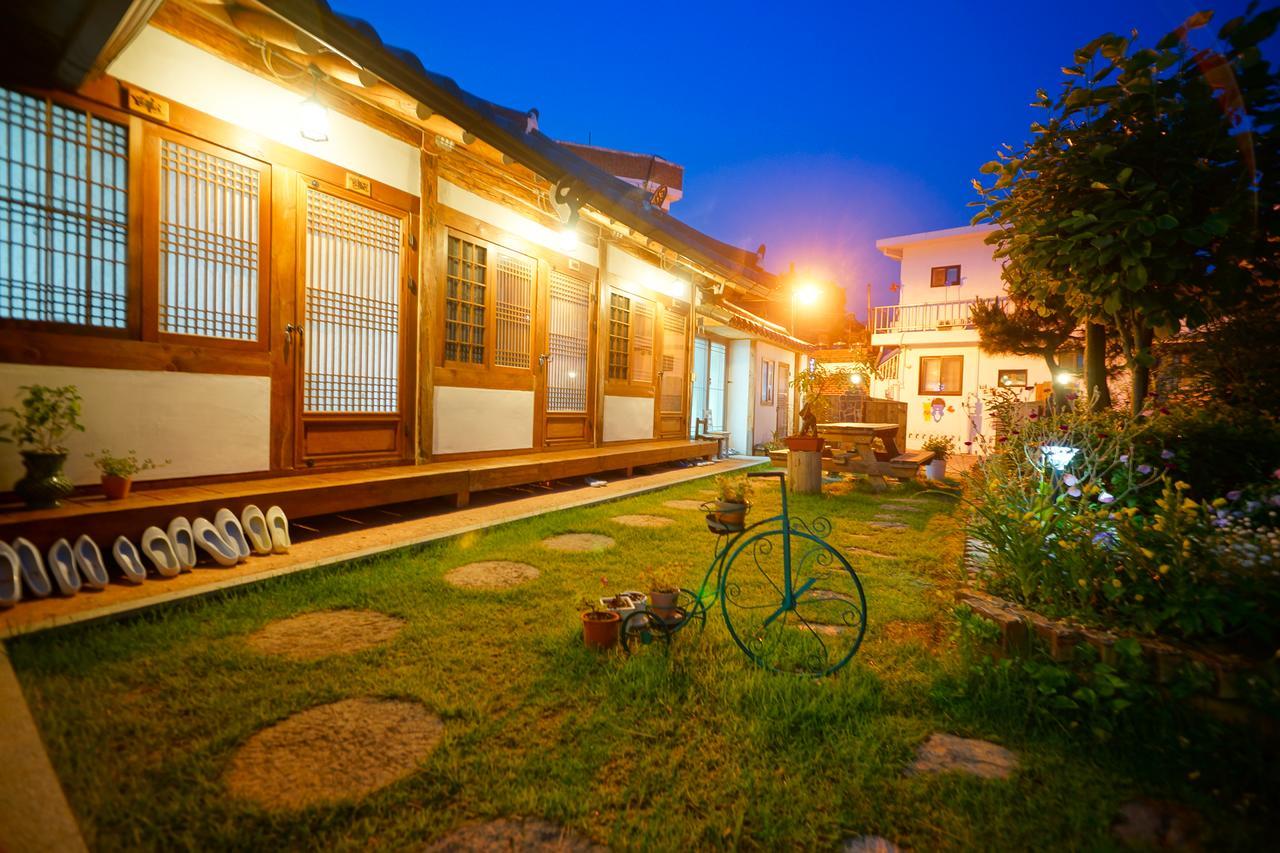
<point>39,424</point>
<point>118,471</point>
<point>599,627</point>
<point>664,596</point>
<point>728,514</point>
<point>942,447</point>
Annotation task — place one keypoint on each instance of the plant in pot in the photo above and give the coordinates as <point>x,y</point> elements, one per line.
<point>664,595</point>
<point>40,422</point>
<point>942,447</point>
<point>728,514</point>
<point>118,471</point>
<point>599,627</point>
<point>812,385</point>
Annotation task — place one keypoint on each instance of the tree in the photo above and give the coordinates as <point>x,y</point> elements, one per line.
<point>1148,198</point>
<point>1024,330</point>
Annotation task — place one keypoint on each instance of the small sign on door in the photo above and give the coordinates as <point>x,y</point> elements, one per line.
<point>359,184</point>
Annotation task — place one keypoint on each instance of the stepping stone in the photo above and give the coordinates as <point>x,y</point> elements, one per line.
<point>515,834</point>
<point>901,506</point>
<point>312,636</point>
<point>342,751</point>
<point>943,752</point>
<point>867,552</point>
<point>490,574</point>
<point>935,493</point>
<point>885,517</point>
<point>578,543</point>
<point>642,520</point>
<point>683,504</point>
<point>869,844</point>
<point>887,525</point>
<point>1157,824</point>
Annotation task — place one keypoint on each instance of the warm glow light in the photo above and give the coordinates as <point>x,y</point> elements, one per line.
<point>1059,456</point>
<point>313,120</point>
<point>566,240</point>
<point>1064,378</point>
<point>573,374</point>
<point>807,294</point>
<point>856,379</point>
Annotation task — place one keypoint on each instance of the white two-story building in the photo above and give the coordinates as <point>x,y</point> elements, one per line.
<point>932,361</point>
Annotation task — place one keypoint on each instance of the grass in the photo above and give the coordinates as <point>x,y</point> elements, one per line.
<point>696,749</point>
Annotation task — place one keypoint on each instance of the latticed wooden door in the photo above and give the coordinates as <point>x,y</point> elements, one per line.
<point>350,343</point>
<point>566,386</point>
<point>674,375</point>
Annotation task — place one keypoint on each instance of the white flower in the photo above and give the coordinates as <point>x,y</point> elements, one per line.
<point>1070,479</point>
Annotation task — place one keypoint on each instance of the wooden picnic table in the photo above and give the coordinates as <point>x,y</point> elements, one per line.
<point>858,454</point>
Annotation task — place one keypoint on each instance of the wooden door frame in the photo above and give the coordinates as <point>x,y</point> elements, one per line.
<point>542,330</point>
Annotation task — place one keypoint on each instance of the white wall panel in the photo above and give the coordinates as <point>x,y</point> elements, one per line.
<point>469,420</point>
<point>465,201</point>
<point>628,418</point>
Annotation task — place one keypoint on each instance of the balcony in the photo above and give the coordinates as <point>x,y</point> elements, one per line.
<point>926,317</point>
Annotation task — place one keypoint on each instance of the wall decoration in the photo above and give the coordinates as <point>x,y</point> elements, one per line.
<point>938,408</point>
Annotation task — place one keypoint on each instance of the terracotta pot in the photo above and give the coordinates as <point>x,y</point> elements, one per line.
<point>44,485</point>
<point>662,602</point>
<point>801,443</point>
<point>600,629</point>
<point>116,488</point>
<point>727,516</point>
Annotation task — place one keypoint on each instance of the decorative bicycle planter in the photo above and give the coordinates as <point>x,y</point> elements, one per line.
<point>790,600</point>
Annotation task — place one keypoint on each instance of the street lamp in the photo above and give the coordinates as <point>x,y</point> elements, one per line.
<point>805,293</point>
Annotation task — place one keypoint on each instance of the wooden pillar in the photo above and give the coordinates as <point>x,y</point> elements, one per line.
<point>429,266</point>
<point>804,471</point>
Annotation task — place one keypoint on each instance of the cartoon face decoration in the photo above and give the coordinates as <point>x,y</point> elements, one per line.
<point>937,409</point>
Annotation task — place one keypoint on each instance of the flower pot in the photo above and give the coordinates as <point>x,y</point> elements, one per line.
<point>639,598</point>
<point>662,602</point>
<point>726,516</point>
<point>44,485</point>
<point>811,443</point>
<point>623,605</point>
<point>116,488</point>
<point>936,470</point>
<point>600,629</point>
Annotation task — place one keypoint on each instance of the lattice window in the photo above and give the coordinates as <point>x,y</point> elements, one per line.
<point>619,335</point>
<point>464,301</point>
<point>674,361</point>
<point>513,277</point>
<point>716,386</point>
<point>63,214</point>
<point>642,342</point>
<point>352,333</point>
<point>568,334</point>
<point>209,244</point>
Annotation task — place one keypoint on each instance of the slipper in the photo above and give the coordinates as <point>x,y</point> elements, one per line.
<point>10,576</point>
<point>255,528</point>
<point>229,526</point>
<point>279,526</point>
<point>159,550</point>
<point>184,543</point>
<point>211,542</point>
<point>62,565</point>
<point>128,560</point>
<point>34,577</point>
<point>89,560</point>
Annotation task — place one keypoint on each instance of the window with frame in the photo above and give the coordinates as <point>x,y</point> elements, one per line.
<point>632,322</point>
<point>948,276</point>
<point>941,375</point>
<point>64,224</point>
<point>1011,378</point>
<point>466,282</point>
<point>619,336</point>
<point>767,369</point>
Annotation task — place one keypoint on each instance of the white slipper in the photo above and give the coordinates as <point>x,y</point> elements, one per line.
<point>129,560</point>
<point>279,527</point>
<point>229,526</point>
<point>62,565</point>
<point>157,548</point>
<point>255,528</point>
<point>209,540</point>
<point>184,543</point>
<point>34,577</point>
<point>10,576</point>
<point>89,561</point>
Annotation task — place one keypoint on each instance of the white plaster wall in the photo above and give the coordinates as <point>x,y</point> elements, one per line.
<point>979,271</point>
<point>205,423</point>
<point>738,408</point>
<point>469,420</point>
<point>766,416</point>
<point>631,269</point>
<point>628,418</point>
<point>465,201</point>
<point>184,73</point>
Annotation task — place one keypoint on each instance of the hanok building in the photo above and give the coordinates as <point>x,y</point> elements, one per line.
<point>261,241</point>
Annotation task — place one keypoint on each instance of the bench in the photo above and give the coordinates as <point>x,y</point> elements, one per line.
<point>906,466</point>
<point>721,437</point>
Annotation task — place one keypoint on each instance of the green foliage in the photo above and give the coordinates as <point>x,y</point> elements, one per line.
<point>942,446</point>
<point>733,488</point>
<point>1148,196</point>
<point>123,466</point>
<point>44,417</point>
<point>1025,328</point>
<point>813,381</point>
<point>1216,448</point>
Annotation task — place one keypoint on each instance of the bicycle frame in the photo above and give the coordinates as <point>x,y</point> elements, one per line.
<point>719,561</point>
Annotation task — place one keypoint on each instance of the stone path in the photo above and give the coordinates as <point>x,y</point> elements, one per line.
<point>887,525</point>
<point>901,506</point>
<point>1158,824</point>
<point>335,752</point>
<point>312,636</point>
<point>514,834</point>
<point>869,844</point>
<point>885,516</point>
<point>943,752</point>
<point>867,552</point>
<point>490,574</point>
<point>578,543</point>
<point>683,504</point>
<point>642,520</point>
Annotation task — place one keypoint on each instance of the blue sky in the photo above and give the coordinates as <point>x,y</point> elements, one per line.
<point>812,127</point>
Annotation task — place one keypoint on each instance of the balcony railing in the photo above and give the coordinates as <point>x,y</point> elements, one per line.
<point>927,317</point>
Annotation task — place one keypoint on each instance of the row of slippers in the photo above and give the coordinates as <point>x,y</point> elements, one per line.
<point>227,540</point>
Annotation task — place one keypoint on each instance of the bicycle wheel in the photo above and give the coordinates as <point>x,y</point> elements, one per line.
<point>816,632</point>
<point>642,630</point>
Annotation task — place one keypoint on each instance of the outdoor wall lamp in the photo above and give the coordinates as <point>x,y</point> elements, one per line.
<point>313,116</point>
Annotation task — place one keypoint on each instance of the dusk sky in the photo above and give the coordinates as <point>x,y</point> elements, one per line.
<point>812,127</point>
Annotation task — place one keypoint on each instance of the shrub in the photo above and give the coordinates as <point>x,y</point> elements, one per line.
<point>1215,448</point>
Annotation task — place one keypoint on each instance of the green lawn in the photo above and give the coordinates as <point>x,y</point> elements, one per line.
<point>698,749</point>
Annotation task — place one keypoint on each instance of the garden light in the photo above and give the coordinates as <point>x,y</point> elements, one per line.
<point>313,120</point>
<point>1058,456</point>
<point>1064,378</point>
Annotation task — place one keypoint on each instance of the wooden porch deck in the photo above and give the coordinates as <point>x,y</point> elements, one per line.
<point>305,495</point>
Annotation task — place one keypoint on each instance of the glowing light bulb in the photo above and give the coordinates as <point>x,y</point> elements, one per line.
<point>1064,378</point>
<point>313,120</point>
<point>807,294</point>
<point>566,240</point>
<point>1058,456</point>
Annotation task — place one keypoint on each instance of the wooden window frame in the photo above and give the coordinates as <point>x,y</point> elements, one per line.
<point>768,375</point>
<point>944,270</point>
<point>941,359</point>
<point>1000,375</point>
<point>631,386</point>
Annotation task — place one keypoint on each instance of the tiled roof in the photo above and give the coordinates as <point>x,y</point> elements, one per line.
<point>629,164</point>
<point>741,318</point>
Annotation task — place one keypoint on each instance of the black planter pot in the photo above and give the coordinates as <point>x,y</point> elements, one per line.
<point>44,486</point>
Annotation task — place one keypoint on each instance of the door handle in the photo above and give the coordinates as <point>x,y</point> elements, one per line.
<point>543,359</point>
<point>289,329</point>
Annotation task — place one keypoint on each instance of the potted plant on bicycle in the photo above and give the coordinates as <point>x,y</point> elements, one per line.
<point>942,447</point>
<point>118,471</point>
<point>664,595</point>
<point>43,418</point>
<point>599,627</point>
<point>728,514</point>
